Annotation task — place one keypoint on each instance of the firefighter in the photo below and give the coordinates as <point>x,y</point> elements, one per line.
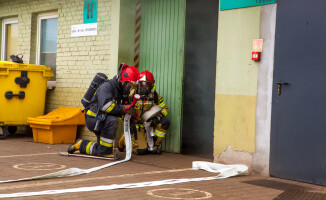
<point>149,98</point>
<point>107,105</point>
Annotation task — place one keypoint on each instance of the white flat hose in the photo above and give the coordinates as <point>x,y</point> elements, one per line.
<point>149,135</point>
<point>225,171</point>
<point>77,171</point>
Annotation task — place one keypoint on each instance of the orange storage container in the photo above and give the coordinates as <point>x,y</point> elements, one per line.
<point>58,126</point>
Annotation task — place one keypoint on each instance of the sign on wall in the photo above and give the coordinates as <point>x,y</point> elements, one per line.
<point>257,45</point>
<point>90,11</point>
<point>89,27</point>
<point>83,30</point>
<point>232,4</point>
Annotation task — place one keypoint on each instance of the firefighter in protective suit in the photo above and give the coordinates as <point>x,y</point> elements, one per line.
<point>149,98</point>
<point>107,105</point>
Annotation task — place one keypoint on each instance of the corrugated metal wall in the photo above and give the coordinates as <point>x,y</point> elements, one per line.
<point>162,53</point>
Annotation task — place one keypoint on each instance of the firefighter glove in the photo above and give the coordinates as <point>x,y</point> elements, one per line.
<point>154,122</point>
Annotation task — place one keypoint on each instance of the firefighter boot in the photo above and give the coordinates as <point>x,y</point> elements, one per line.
<point>75,147</point>
<point>121,145</point>
<point>157,146</point>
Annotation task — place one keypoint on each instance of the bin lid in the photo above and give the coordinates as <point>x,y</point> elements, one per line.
<point>6,66</point>
<point>61,116</point>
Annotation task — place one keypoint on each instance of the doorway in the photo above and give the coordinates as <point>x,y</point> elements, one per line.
<point>199,77</point>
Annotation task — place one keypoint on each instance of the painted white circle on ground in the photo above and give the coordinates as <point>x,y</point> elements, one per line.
<point>179,193</point>
<point>39,166</point>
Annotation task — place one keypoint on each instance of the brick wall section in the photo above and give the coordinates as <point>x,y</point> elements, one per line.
<point>78,58</point>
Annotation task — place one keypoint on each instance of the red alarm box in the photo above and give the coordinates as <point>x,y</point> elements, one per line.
<point>255,55</point>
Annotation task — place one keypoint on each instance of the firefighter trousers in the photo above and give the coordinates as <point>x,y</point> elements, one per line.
<point>105,136</point>
<point>139,142</point>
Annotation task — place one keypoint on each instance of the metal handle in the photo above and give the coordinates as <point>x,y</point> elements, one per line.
<point>10,95</point>
<point>279,86</point>
<point>282,83</point>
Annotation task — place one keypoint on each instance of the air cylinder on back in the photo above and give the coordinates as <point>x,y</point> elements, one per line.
<point>97,81</point>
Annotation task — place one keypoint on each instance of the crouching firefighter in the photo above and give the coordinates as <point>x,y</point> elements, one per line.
<point>148,99</point>
<point>102,116</point>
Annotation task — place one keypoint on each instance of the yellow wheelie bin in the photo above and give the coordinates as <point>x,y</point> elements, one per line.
<point>22,94</point>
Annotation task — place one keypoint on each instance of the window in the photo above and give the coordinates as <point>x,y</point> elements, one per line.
<point>47,35</point>
<point>9,38</point>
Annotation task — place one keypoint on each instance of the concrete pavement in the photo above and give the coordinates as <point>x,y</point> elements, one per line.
<point>20,157</point>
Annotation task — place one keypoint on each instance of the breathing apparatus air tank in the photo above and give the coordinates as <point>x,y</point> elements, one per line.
<point>97,81</point>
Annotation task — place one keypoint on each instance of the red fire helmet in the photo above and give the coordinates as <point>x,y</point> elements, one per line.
<point>146,76</point>
<point>129,73</point>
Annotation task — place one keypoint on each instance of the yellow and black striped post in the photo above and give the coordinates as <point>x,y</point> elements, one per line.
<point>137,34</point>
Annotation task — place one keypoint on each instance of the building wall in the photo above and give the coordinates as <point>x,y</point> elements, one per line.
<point>78,58</point>
<point>236,86</point>
<point>244,87</point>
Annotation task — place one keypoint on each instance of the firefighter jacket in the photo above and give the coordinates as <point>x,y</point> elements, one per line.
<point>143,106</point>
<point>107,99</point>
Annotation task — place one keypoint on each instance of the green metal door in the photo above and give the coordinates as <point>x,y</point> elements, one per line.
<point>162,52</point>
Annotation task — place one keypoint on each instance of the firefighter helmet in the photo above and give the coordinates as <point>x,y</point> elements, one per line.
<point>146,76</point>
<point>128,73</point>
<point>146,83</point>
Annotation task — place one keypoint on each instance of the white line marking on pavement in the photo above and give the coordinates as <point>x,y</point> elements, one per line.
<point>38,166</point>
<point>25,155</point>
<point>179,193</point>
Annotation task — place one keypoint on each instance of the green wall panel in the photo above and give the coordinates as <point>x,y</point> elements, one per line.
<point>162,53</point>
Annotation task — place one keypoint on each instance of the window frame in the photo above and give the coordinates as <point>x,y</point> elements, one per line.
<point>5,22</point>
<point>40,17</point>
